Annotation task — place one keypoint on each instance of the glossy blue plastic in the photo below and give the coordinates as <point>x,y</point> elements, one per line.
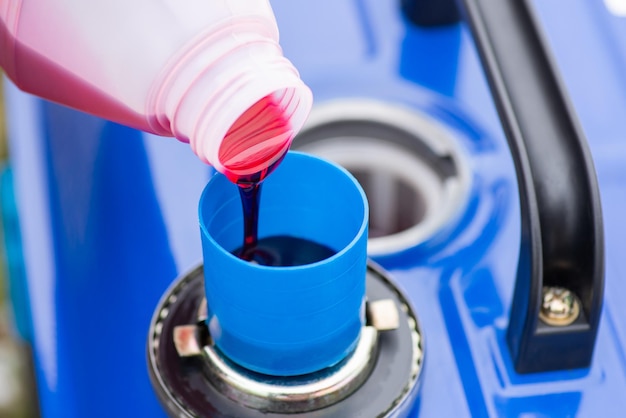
<point>287,321</point>
<point>108,217</point>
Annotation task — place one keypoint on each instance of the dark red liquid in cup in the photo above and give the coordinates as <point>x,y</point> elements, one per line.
<point>284,251</point>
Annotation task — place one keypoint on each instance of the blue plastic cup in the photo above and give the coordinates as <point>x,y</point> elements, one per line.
<point>286,321</point>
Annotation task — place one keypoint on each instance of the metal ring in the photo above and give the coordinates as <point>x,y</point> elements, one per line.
<point>292,394</point>
<point>181,384</point>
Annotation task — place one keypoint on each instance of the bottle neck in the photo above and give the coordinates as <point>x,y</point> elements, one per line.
<point>234,97</point>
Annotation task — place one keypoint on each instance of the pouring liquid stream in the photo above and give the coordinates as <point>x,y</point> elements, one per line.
<point>277,251</point>
<point>250,193</point>
<point>263,133</point>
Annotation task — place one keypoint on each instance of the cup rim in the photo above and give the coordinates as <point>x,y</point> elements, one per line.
<point>291,154</point>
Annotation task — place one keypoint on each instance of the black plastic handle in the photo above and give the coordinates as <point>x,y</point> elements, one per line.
<point>562,233</point>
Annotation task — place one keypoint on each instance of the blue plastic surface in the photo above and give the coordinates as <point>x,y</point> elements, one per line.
<point>14,261</point>
<point>287,321</point>
<point>109,217</point>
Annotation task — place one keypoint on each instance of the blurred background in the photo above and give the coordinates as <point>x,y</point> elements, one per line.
<point>17,389</point>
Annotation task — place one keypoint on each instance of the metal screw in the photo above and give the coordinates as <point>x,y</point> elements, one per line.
<point>559,306</point>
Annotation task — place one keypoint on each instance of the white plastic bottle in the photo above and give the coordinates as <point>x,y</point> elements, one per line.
<point>209,72</point>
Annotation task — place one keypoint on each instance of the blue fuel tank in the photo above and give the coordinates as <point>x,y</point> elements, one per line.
<point>105,218</point>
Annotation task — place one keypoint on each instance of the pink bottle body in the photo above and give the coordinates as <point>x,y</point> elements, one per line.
<point>192,69</point>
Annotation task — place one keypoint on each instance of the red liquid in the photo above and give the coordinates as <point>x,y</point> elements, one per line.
<point>258,139</point>
<point>285,251</point>
<point>261,135</point>
<point>250,192</point>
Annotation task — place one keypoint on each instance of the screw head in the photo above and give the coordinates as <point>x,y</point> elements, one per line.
<point>559,306</point>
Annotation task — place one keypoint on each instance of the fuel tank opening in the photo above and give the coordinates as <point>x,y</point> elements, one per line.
<point>415,174</point>
<point>192,378</point>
